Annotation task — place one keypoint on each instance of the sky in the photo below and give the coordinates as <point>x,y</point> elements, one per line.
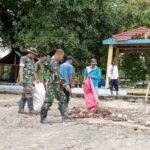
<point>3,50</point>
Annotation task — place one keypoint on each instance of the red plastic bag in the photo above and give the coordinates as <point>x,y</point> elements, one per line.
<point>90,95</point>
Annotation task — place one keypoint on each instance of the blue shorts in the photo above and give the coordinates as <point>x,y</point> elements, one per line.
<point>114,83</point>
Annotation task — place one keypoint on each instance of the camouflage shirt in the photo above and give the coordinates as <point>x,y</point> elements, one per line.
<point>28,69</point>
<point>39,71</point>
<point>53,71</point>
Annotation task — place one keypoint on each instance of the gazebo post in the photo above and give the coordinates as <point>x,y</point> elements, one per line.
<point>109,61</point>
<point>117,55</point>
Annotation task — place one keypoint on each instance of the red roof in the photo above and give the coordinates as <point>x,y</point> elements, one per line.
<point>138,33</point>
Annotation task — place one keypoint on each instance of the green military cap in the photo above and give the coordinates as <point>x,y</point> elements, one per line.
<point>32,50</point>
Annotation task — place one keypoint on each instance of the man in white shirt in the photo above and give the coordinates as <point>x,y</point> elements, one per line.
<point>113,77</point>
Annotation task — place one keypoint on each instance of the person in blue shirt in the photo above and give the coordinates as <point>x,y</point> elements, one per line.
<point>67,71</point>
<point>93,72</point>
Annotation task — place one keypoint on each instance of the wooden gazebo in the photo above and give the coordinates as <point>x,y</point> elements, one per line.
<point>137,40</point>
<point>9,66</point>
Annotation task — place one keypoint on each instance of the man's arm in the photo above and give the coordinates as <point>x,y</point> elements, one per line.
<point>71,79</point>
<point>98,76</point>
<point>54,69</point>
<point>21,75</point>
<point>21,68</point>
<point>117,73</point>
<point>36,71</point>
<point>56,72</point>
<point>71,72</point>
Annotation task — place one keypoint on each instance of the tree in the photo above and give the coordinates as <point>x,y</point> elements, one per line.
<point>142,4</point>
<point>76,26</point>
<point>139,63</point>
<point>138,66</point>
<point>138,1</point>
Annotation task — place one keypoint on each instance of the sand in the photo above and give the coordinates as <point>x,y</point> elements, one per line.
<point>24,132</point>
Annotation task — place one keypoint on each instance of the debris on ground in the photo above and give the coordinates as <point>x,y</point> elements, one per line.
<point>82,113</point>
<point>118,117</point>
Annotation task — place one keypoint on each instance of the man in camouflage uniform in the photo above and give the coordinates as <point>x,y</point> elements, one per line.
<point>39,69</point>
<point>54,87</point>
<point>26,78</point>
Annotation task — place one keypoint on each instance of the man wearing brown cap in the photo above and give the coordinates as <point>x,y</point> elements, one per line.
<point>26,78</point>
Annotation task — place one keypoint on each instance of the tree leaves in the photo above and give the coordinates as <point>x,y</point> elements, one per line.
<point>76,26</point>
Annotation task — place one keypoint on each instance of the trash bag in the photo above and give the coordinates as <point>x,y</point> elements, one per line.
<point>90,95</point>
<point>38,97</point>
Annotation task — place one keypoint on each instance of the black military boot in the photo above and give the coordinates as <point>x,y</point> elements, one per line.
<point>21,104</point>
<point>67,110</point>
<point>63,111</point>
<point>43,116</point>
<point>30,105</point>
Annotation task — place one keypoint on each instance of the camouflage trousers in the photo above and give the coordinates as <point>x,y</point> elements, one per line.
<point>52,92</point>
<point>28,91</point>
<point>27,96</point>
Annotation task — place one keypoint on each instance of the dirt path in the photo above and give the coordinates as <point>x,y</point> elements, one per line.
<point>24,132</point>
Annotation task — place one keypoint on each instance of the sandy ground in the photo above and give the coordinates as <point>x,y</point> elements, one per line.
<point>24,132</point>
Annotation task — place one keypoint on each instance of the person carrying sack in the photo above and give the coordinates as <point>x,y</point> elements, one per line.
<point>92,75</point>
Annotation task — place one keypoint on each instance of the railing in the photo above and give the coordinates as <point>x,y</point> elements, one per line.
<point>8,83</point>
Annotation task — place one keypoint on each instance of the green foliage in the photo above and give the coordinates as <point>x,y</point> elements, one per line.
<point>142,4</point>
<point>54,24</point>
<point>77,26</point>
<point>134,66</point>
